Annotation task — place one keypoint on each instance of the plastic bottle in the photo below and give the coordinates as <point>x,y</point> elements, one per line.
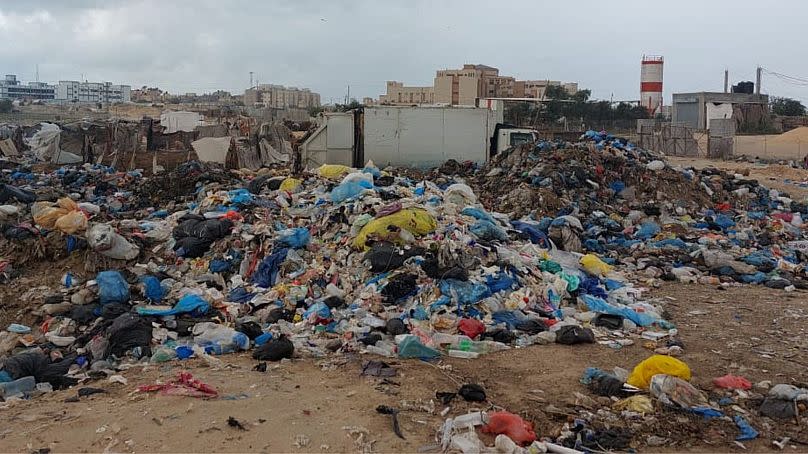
<point>476,418</point>
<point>463,354</point>
<point>17,387</point>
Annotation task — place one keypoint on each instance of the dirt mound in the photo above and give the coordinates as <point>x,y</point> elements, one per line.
<point>796,135</point>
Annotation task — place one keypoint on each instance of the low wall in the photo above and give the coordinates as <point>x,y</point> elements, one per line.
<point>766,147</point>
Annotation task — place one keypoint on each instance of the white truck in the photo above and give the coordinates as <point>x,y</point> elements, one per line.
<point>420,137</point>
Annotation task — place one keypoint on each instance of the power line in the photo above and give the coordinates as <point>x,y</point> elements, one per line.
<point>793,80</point>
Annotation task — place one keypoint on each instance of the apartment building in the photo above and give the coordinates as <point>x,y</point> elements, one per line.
<point>280,97</point>
<point>538,88</point>
<point>92,92</point>
<point>398,94</point>
<point>11,88</point>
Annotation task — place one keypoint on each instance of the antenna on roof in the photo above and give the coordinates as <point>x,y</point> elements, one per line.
<point>37,72</point>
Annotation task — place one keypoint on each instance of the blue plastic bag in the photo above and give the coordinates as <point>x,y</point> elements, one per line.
<point>478,214</point>
<point>499,282</point>
<point>153,291</point>
<point>532,231</point>
<point>267,272</point>
<point>240,196</point>
<point>295,238</point>
<point>647,230</point>
<point>188,304</point>
<point>465,292</point>
<point>320,309</point>
<point>112,287</point>
<point>596,304</point>
<point>747,431</point>
<point>411,347</point>
<point>349,190</point>
<point>486,230</point>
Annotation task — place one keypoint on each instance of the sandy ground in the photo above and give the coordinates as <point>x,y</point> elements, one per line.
<point>311,405</point>
<point>775,176</point>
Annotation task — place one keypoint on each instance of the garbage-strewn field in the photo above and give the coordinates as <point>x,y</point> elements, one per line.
<point>761,337</point>
<point>566,297</point>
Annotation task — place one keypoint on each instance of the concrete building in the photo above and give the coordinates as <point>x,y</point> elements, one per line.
<point>398,94</point>
<point>280,97</point>
<point>695,110</point>
<point>538,88</point>
<point>11,88</point>
<point>147,94</point>
<point>92,92</point>
<point>463,86</point>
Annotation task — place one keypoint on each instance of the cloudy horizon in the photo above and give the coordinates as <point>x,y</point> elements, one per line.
<point>201,46</point>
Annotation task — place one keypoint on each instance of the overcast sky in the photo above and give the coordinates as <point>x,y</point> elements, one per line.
<point>204,45</point>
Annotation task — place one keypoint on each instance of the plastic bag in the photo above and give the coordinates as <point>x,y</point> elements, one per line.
<point>415,220</point>
<point>112,287</point>
<point>358,177</point>
<point>730,381</point>
<point>655,365</point>
<point>464,292</point>
<point>638,404</point>
<point>460,194</point>
<point>290,184</point>
<point>45,215</point>
<point>411,347</point>
<point>240,196</point>
<point>152,289</point>
<point>103,239</point>
<point>294,238</point>
<point>674,391</point>
<point>349,190</point>
<point>274,350</point>
<point>333,171</point>
<point>72,222</point>
<point>592,264</point>
<point>488,231</point>
<point>193,304</point>
<point>471,327</point>
<point>596,304</point>
<point>747,432</point>
<point>218,339</point>
<point>516,428</point>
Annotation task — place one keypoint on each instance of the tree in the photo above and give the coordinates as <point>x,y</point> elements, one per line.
<point>354,104</point>
<point>315,110</point>
<point>5,106</point>
<point>787,107</point>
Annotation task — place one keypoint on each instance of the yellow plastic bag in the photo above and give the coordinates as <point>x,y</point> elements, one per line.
<point>657,364</point>
<point>638,404</point>
<point>290,184</point>
<point>594,265</point>
<point>415,220</point>
<point>333,171</point>
<point>67,203</point>
<point>46,215</point>
<point>72,222</point>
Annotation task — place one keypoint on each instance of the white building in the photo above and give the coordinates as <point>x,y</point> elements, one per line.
<point>92,92</point>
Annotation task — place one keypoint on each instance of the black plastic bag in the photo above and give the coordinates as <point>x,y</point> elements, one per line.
<point>384,256</point>
<point>37,364</point>
<point>250,329</point>
<point>275,350</point>
<point>472,392</point>
<point>399,287</point>
<point>570,334</point>
<point>8,192</point>
<point>127,332</point>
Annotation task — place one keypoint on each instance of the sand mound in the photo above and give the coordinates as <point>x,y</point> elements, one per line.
<point>796,135</point>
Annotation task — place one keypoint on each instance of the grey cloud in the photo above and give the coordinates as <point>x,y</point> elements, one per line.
<point>202,45</point>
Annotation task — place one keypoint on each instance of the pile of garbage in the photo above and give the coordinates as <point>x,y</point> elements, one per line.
<point>202,261</point>
<point>603,195</point>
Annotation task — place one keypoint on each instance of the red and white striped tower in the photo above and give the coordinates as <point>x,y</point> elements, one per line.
<point>651,83</point>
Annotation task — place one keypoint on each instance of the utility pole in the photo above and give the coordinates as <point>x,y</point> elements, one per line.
<point>348,101</point>
<point>251,79</point>
<point>37,72</point>
<point>757,85</point>
<point>726,81</point>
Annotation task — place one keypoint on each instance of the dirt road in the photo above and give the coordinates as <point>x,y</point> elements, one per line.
<point>315,405</point>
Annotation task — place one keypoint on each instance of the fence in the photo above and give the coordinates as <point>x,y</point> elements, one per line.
<point>673,140</point>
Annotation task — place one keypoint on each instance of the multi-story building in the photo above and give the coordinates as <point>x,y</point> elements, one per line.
<point>464,86</point>
<point>11,88</point>
<point>538,88</point>
<point>398,94</point>
<point>92,92</point>
<point>147,94</point>
<point>280,97</point>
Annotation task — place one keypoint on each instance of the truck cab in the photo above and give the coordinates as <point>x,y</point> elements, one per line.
<point>506,136</point>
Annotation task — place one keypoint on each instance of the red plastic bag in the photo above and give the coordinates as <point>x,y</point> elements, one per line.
<point>516,428</point>
<point>184,385</point>
<point>471,327</point>
<point>730,381</point>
